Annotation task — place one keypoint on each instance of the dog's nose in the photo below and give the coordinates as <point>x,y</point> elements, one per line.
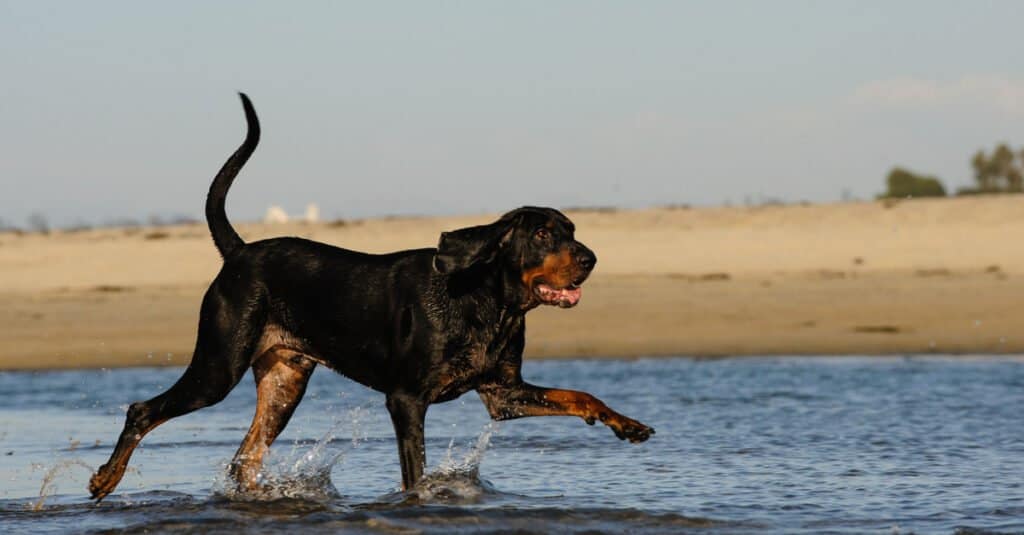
<point>586,258</point>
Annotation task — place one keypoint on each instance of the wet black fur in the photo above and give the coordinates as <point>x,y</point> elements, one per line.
<point>422,326</point>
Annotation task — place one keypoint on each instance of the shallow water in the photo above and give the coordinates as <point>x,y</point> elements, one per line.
<point>746,445</point>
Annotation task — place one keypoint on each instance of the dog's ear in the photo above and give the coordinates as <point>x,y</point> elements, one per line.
<point>463,248</point>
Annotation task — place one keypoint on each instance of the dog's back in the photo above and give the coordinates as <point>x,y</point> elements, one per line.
<point>343,304</point>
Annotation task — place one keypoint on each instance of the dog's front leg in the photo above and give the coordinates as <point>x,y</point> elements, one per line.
<point>407,415</point>
<point>505,402</point>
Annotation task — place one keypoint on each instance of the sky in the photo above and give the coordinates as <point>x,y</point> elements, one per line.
<point>112,111</point>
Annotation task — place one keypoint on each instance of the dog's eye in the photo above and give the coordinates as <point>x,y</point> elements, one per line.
<point>542,234</point>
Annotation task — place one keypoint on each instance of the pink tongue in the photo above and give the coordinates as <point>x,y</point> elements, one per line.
<point>570,296</point>
<point>565,297</point>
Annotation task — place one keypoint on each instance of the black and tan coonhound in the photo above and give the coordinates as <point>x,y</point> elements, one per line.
<point>422,326</point>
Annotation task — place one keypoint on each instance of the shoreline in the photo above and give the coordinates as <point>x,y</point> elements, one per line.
<point>922,277</point>
<point>964,357</point>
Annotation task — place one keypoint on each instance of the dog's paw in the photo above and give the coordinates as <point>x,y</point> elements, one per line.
<point>104,481</point>
<point>631,430</point>
<point>100,484</point>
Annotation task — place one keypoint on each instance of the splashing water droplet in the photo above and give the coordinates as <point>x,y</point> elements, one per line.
<point>300,474</point>
<point>50,477</point>
<point>457,477</point>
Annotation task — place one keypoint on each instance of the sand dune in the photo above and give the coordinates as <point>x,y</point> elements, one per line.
<point>855,278</point>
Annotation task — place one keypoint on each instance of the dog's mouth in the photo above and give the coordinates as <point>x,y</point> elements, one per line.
<point>560,297</point>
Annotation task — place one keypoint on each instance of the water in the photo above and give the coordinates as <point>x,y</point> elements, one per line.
<point>746,445</point>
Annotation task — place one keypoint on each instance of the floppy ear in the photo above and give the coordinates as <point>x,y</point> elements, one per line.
<point>463,248</point>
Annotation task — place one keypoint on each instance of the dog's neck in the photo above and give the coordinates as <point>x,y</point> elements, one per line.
<point>495,295</point>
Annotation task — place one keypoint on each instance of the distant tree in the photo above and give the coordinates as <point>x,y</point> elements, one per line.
<point>902,183</point>
<point>982,176</point>
<point>1000,172</point>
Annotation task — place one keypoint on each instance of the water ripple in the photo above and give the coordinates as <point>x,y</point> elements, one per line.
<point>774,445</point>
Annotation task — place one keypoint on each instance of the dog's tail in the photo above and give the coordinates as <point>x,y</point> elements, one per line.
<point>224,236</point>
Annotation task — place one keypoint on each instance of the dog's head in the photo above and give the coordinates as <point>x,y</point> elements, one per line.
<point>535,247</point>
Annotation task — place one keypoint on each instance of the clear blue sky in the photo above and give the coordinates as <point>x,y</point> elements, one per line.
<point>115,110</point>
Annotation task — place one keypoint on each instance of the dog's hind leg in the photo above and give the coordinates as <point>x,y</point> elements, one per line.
<point>281,377</point>
<point>223,351</point>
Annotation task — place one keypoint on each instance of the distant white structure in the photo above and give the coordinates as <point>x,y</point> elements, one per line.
<point>275,214</point>
<point>312,213</point>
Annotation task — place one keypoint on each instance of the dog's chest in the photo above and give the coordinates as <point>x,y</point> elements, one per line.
<point>462,372</point>
<point>473,357</point>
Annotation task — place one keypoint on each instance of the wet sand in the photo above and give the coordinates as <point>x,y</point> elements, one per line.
<point>923,276</point>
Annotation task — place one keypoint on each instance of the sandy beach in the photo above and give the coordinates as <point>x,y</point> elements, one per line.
<point>918,276</point>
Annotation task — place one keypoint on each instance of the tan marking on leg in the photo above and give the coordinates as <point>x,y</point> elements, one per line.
<point>573,403</point>
<point>281,377</point>
<point>592,410</point>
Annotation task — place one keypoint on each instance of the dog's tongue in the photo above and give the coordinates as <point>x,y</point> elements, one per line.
<point>564,298</point>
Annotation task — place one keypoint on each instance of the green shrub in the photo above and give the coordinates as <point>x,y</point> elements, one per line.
<point>903,183</point>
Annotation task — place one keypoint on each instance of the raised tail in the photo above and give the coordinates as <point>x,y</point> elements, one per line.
<point>224,236</point>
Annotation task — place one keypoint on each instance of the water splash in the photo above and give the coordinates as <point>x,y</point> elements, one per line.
<point>304,473</point>
<point>457,478</point>
<point>49,486</point>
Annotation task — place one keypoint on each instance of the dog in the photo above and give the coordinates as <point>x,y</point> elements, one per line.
<point>421,326</point>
